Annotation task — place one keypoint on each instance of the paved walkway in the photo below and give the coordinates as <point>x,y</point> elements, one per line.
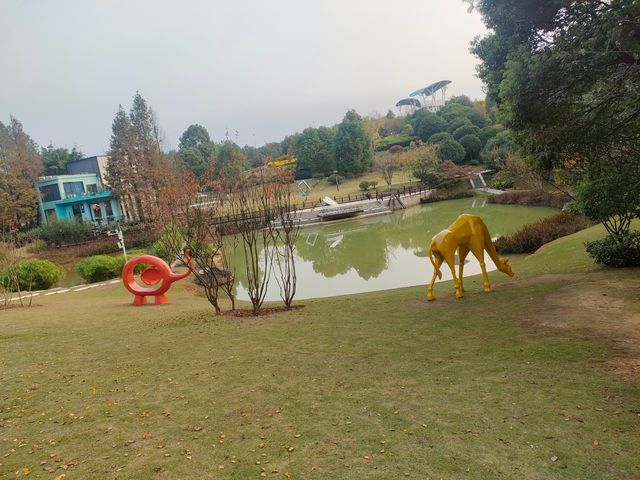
<point>55,291</point>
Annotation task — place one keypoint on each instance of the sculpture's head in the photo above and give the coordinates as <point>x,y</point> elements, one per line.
<point>505,267</point>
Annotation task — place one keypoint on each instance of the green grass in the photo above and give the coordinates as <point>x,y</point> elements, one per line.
<point>376,386</point>
<point>350,185</point>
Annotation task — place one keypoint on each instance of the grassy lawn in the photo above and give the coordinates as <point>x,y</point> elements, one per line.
<point>377,386</point>
<point>350,185</point>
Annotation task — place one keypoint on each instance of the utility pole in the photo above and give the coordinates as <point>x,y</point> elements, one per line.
<point>121,244</point>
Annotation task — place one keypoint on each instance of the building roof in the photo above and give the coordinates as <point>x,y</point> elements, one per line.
<point>431,89</point>
<point>409,101</point>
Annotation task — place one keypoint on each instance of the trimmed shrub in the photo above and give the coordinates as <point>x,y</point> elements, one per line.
<point>532,236</point>
<point>466,129</point>
<point>616,252</point>
<point>99,268</point>
<point>386,143</point>
<point>532,198</point>
<point>364,185</point>
<point>33,275</point>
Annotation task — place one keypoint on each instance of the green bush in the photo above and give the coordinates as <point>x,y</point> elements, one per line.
<point>100,267</point>
<point>32,275</point>
<point>386,143</point>
<point>532,236</point>
<point>616,252</point>
<point>501,180</point>
<point>333,179</point>
<point>364,185</point>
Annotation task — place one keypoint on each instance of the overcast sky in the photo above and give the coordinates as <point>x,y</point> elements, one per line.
<point>266,68</point>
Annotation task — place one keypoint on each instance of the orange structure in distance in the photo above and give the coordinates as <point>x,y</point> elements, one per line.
<point>158,273</point>
<point>467,234</point>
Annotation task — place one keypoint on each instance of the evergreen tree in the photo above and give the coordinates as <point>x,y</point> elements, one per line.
<point>138,168</point>
<point>353,146</point>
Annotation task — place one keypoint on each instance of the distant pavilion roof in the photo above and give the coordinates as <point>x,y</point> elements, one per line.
<point>409,101</point>
<point>431,89</point>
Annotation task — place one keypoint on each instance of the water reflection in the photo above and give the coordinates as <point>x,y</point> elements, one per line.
<point>388,251</point>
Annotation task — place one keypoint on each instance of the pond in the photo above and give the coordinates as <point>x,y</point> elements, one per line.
<point>388,251</point>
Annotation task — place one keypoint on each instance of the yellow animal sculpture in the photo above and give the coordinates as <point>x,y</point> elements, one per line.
<point>467,234</point>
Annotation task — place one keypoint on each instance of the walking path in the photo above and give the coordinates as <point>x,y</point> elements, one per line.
<point>55,291</point>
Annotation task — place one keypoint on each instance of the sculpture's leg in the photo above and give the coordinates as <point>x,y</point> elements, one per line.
<point>161,300</point>
<point>478,252</point>
<point>450,259</point>
<point>438,262</point>
<point>139,300</point>
<point>463,250</point>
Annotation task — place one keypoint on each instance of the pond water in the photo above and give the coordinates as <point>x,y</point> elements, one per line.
<point>388,251</point>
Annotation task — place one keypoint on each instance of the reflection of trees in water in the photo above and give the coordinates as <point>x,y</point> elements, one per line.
<point>335,252</point>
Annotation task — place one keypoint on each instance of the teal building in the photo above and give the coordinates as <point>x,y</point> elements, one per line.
<point>78,196</point>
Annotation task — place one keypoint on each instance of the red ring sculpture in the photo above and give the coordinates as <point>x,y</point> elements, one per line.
<point>159,271</point>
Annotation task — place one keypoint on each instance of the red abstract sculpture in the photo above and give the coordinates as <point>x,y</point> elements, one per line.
<point>159,271</point>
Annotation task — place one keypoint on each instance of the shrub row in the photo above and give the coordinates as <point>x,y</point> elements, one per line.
<point>31,275</point>
<point>532,236</point>
<point>616,252</point>
<point>441,195</point>
<point>532,198</point>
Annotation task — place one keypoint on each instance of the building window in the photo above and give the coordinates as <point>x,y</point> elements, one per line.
<point>50,193</point>
<point>109,210</point>
<point>73,189</point>
<point>97,211</point>
<point>92,189</point>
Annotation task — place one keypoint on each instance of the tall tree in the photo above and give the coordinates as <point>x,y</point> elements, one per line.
<point>20,165</point>
<point>196,150</point>
<point>353,146</point>
<point>121,169</point>
<point>566,80</point>
<point>314,152</point>
<point>230,165</point>
<point>138,167</point>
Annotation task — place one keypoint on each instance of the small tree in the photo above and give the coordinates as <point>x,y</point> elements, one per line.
<point>286,228</point>
<point>10,292</point>
<point>389,163</point>
<point>422,160</point>
<point>609,191</point>
<point>252,212</point>
<point>189,226</point>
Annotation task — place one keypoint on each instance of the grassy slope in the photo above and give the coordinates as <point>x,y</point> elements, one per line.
<point>378,385</point>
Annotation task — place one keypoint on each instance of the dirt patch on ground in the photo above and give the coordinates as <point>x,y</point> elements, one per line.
<point>603,305</point>
<point>264,311</point>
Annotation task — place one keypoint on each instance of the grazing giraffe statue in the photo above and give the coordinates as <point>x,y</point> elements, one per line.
<point>467,234</point>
